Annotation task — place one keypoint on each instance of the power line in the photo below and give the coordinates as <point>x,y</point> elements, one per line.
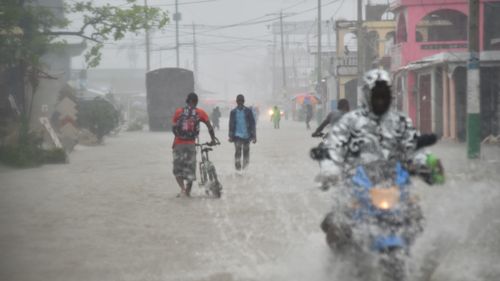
<point>185,3</point>
<point>230,42</point>
<point>236,40</point>
<point>260,19</point>
<point>185,33</point>
<point>338,9</point>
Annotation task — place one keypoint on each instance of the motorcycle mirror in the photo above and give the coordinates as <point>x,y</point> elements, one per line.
<point>426,140</point>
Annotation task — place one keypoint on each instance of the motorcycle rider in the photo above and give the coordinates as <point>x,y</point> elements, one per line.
<point>370,133</point>
<point>333,117</point>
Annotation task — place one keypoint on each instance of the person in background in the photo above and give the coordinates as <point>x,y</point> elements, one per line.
<point>276,117</point>
<point>215,116</point>
<point>186,128</point>
<point>241,132</point>
<point>332,118</point>
<point>309,115</point>
<point>255,112</point>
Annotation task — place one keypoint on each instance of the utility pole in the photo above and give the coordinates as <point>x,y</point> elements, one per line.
<point>473,84</point>
<point>328,33</point>
<point>148,47</point>
<point>283,66</point>
<point>274,65</point>
<point>177,18</point>
<point>361,51</point>
<point>320,78</point>
<point>195,55</point>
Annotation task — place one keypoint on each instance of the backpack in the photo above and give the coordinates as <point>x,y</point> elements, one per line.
<point>188,124</point>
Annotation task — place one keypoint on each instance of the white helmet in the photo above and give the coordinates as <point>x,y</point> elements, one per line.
<point>370,79</point>
<point>375,75</point>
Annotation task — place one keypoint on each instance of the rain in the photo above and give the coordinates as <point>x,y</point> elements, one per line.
<point>238,140</point>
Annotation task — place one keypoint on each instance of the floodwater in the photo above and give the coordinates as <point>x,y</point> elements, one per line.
<point>112,214</point>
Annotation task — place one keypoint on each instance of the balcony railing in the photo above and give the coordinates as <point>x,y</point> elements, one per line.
<point>349,60</point>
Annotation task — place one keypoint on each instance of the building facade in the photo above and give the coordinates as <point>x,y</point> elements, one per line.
<point>429,63</point>
<point>379,33</point>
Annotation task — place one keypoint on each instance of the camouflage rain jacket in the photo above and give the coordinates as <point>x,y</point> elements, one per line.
<point>361,137</point>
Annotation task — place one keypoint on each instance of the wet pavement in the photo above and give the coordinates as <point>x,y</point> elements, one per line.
<point>112,214</point>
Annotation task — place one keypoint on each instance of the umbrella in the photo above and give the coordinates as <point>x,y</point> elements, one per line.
<point>306,99</point>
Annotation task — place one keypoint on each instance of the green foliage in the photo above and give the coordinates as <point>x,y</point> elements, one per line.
<point>55,156</point>
<point>99,116</point>
<point>28,30</point>
<point>29,153</point>
<point>25,156</point>
<point>21,156</point>
<point>24,30</point>
<point>112,23</point>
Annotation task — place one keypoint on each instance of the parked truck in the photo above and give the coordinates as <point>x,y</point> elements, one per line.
<point>167,89</point>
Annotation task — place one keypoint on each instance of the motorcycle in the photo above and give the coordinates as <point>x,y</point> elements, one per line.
<point>375,218</point>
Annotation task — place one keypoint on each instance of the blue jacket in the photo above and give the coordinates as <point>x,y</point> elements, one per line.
<point>250,122</point>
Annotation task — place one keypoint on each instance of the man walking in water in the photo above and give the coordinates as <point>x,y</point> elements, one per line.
<point>241,132</point>
<point>186,128</point>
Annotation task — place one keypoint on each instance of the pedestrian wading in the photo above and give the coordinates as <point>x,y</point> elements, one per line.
<point>241,132</point>
<point>186,128</point>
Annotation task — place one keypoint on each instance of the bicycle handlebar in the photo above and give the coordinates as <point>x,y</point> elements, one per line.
<point>207,144</point>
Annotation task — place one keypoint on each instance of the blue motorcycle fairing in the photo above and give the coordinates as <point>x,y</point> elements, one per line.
<point>402,176</point>
<point>402,180</point>
<point>381,243</point>
<point>364,184</point>
<point>361,178</point>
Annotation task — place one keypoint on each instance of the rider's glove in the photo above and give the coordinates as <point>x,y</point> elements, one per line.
<point>319,153</point>
<point>326,181</point>
<point>317,134</point>
<point>426,140</point>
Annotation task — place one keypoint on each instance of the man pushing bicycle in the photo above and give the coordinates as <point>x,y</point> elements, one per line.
<point>186,128</point>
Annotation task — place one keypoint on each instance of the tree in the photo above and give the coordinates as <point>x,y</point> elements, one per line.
<point>99,116</point>
<point>28,31</point>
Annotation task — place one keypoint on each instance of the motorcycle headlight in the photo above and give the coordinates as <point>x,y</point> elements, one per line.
<point>385,198</point>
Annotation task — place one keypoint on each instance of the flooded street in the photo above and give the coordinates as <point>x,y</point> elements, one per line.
<point>112,214</point>
<point>92,91</point>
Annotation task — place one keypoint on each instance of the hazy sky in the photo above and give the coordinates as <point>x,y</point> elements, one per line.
<point>224,54</point>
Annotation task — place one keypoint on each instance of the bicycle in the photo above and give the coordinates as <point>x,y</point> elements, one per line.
<point>208,174</point>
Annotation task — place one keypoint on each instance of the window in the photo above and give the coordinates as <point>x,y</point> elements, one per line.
<point>350,43</point>
<point>442,25</point>
<point>389,42</point>
<point>492,26</point>
<point>401,35</point>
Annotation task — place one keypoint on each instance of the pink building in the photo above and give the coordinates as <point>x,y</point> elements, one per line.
<point>429,64</point>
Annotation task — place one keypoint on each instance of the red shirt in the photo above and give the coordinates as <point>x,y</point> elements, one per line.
<point>202,115</point>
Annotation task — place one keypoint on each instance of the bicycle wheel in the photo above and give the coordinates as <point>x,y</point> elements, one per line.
<point>215,186</point>
<point>203,174</point>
